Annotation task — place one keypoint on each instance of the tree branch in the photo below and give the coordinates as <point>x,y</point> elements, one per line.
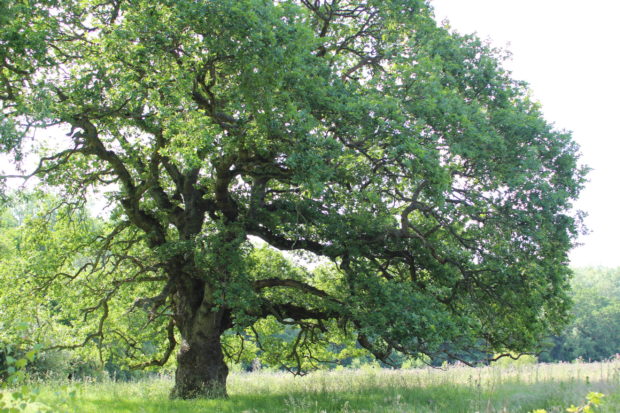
<point>166,356</point>
<point>290,283</point>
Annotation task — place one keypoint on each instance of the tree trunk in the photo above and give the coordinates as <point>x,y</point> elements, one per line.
<point>201,370</point>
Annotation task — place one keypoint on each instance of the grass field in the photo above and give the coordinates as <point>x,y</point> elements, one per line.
<point>553,387</point>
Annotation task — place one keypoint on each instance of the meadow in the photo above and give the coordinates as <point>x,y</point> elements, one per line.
<point>508,388</point>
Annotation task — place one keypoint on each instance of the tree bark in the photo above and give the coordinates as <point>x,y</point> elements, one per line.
<point>201,369</point>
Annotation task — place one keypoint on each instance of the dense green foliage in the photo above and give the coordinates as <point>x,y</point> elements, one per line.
<point>29,240</point>
<point>360,132</point>
<point>51,300</point>
<point>594,332</point>
<point>62,316</point>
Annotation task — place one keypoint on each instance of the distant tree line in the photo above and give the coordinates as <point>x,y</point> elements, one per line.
<point>594,332</point>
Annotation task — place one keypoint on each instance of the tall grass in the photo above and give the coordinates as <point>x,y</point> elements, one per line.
<point>511,388</point>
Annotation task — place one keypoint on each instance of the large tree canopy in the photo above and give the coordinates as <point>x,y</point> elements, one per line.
<point>358,131</point>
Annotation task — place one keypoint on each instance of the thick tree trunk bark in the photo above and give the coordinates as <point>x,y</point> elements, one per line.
<point>201,369</point>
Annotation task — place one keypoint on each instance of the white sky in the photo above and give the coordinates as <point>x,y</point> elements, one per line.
<point>569,53</point>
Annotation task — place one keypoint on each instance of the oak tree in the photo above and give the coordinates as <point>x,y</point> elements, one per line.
<point>358,131</point>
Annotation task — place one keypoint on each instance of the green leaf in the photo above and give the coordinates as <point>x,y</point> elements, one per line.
<point>30,355</point>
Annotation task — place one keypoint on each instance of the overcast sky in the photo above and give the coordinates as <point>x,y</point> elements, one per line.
<point>569,53</point>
